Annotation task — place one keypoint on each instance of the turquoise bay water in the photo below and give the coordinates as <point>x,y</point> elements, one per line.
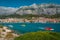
<point>32,27</point>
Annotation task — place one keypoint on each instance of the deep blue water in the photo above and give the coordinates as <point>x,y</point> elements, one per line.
<point>32,27</point>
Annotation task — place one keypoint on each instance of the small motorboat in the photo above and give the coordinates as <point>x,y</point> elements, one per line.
<point>10,26</point>
<point>23,25</point>
<point>48,28</point>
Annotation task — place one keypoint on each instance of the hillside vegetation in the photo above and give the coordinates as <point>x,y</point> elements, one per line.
<point>39,36</point>
<point>29,16</point>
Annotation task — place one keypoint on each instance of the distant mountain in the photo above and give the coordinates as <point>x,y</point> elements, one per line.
<point>35,9</point>
<point>7,10</point>
<point>39,9</point>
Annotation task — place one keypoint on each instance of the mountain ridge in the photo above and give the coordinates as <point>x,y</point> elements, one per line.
<point>39,9</point>
<point>31,9</point>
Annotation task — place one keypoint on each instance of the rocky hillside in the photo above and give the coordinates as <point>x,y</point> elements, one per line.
<point>31,9</point>
<point>39,9</point>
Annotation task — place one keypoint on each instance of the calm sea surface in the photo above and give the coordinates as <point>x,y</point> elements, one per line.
<point>32,27</point>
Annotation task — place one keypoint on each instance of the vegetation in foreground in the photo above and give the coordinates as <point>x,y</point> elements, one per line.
<point>39,36</point>
<point>29,16</point>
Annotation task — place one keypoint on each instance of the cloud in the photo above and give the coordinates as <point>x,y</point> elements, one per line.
<point>7,10</point>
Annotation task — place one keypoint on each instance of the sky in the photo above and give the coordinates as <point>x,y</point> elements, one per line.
<point>18,3</point>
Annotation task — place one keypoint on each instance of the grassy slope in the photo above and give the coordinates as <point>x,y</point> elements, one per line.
<point>40,36</point>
